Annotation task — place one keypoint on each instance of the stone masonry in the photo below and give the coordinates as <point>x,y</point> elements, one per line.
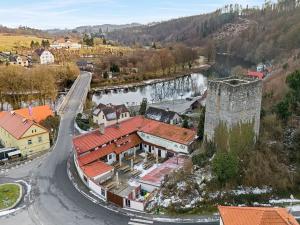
<point>231,101</point>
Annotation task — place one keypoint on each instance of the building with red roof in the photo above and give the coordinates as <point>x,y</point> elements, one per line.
<point>255,216</point>
<point>255,74</point>
<point>22,133</point>
<point>37,113</point>
<point>97,150</point>
<point>170,137</point>
<point>98,169</point>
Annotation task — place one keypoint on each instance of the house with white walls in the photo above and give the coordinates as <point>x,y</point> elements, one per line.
<point>110,114</point>
<point>44,56</point>
<point>119,151</point>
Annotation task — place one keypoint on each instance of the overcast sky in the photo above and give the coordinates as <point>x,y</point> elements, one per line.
<point>47,14</point>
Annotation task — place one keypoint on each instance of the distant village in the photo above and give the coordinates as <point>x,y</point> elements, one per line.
<point>41,55</point>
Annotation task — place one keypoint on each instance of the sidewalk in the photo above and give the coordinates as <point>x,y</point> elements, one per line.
<point>80,186</point>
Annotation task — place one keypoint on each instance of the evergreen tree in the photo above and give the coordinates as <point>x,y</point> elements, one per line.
<point>225,167</point>
<point>185,123</point>
<point>32,44</point>
<point>114,68</point>
<point>200,131</point>
<point>143,107</point>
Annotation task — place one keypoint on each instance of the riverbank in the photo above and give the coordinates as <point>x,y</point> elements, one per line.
<point>149,81</point>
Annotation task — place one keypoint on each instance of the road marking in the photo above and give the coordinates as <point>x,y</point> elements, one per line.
<point>143,221</point>
<point>134,221</point>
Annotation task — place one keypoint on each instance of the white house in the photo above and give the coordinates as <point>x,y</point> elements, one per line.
<point>65,44</point>
<point>110,114</point>
<point>44,56</point>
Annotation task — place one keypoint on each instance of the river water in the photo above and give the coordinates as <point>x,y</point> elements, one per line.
<point>180,88</point>
<point>184,87</point>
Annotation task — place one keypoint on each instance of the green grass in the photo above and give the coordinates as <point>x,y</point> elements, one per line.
<point>9,194</point>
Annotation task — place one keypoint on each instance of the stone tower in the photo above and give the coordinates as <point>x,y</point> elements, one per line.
<point>231,101</point>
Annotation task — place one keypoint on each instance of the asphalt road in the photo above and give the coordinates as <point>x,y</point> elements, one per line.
<point>55,201</point>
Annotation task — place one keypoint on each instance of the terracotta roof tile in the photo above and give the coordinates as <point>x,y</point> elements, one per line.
<point>91,140</point>
<point>37,113</point>
<point>15,124</point>
<point>169,132</point>
<point>133,140</point>
<point>255,216</point>
<point>259,75</point>
<point>96,169</point>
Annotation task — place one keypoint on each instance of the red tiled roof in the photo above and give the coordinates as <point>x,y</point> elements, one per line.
<point>37,113</point>
<point>96,169</point>
<point>259,75</point>
<point>255,216</point>
<point>15,124</point>
<point>169,132</point>
<point>133,140</point>
<point>156,176</point>
<point>91,140</point>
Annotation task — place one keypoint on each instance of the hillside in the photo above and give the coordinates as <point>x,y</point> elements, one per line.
<point>24,31</point>
<point>9,42</point>
<point>253,34</point>
<point>181,30</point>
<point>105,28</point>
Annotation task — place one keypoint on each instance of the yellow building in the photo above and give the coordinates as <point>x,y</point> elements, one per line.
<point>26,135</point>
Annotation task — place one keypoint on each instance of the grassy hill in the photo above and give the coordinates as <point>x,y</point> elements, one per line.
<point>9,42</point>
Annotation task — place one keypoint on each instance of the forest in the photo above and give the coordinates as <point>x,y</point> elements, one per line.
<point>255,34</point>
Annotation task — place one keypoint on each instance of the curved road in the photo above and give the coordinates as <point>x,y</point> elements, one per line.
<point>55,200</point>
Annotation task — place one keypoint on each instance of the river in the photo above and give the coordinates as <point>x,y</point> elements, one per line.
<point>179,88</point>
<point>184,87</point>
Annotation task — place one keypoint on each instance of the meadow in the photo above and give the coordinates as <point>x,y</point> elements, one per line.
<point>12,42</point>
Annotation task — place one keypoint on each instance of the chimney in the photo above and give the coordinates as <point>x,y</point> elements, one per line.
<point>102,128</point>
<point>30,110</point>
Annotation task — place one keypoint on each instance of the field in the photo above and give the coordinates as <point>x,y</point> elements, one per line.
<point>13,42</point>
<point>9,194</point>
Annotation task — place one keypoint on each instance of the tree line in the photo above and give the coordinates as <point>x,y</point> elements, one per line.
<point>36,44</point>
<point>41,83</point>
<point>151,61</point>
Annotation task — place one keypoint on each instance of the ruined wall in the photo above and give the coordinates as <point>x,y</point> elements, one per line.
<point>232,101</point>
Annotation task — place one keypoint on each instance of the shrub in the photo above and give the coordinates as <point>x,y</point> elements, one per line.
<point>225,167</point>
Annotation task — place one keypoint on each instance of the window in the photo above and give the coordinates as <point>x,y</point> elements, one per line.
<point>127,202</point>
<point>102,192</point>
<point>29,142</point>
<point>40,139</point>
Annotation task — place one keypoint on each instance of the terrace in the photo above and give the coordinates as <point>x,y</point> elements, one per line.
<point>129,171</point>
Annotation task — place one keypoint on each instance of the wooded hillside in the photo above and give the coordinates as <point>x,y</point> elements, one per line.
<point>255,34</point>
